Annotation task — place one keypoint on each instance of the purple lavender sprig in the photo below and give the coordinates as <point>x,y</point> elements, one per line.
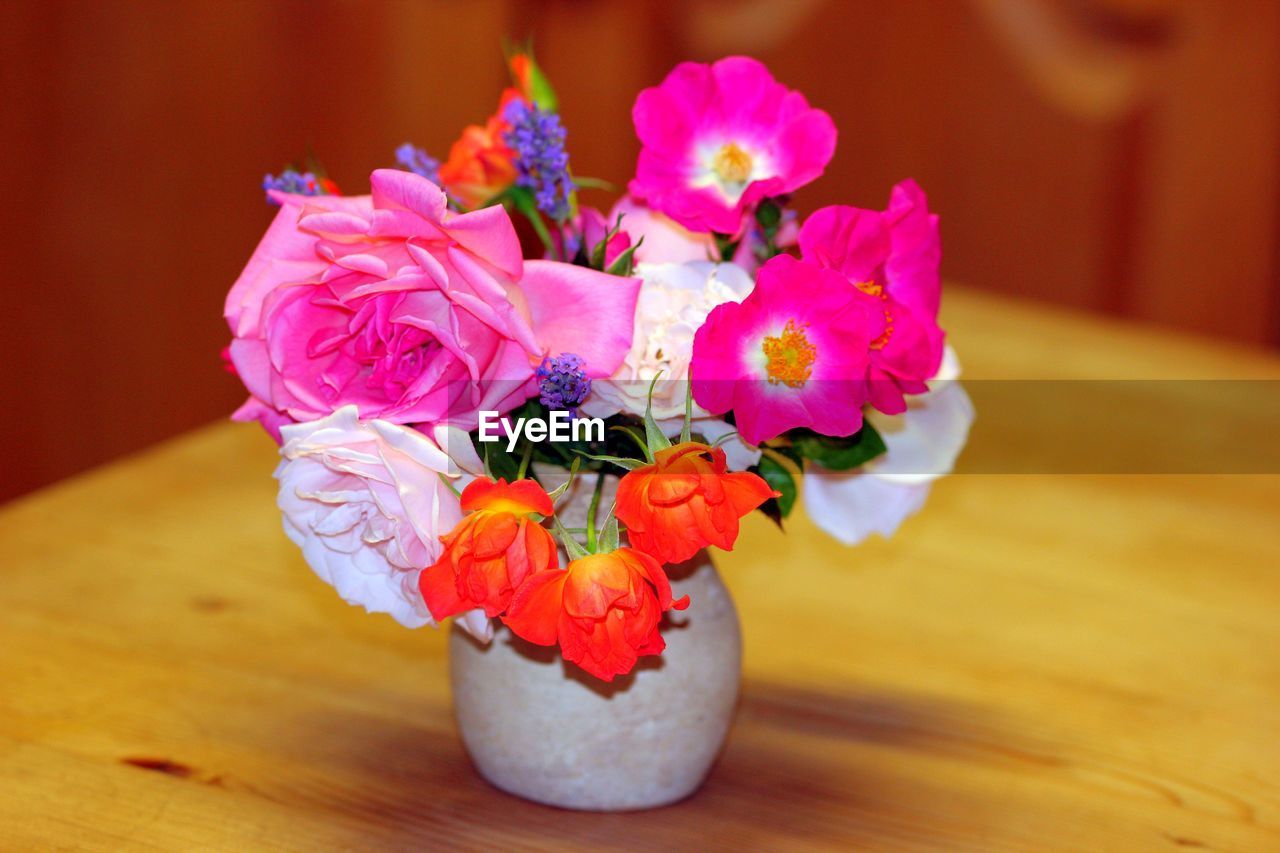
<point>542,164</point>
<point>563,383</point>
<point>414,159</point>
<point>292,181</point>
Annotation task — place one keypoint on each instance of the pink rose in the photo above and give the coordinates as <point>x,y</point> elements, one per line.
<point>412,313</point>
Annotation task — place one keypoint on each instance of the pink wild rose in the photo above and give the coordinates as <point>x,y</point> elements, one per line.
<point>717,139</point>
<point>891,258</point>
<point>794,353</point>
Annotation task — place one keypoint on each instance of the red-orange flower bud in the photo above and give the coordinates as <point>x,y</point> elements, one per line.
<point>603,610</point>
<point>481,164</point>
<point>686,500</point>
<point>492,550</point>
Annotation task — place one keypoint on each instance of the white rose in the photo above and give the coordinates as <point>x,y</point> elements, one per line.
<point>922,444</point>
<point>675,299</point>
<point>365,502</point>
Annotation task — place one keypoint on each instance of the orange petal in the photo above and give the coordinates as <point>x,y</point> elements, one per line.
<point>521,497</point>
<point>649,568</point>
<point>669,456</point>
<point>665,488</point>
<point>494,533</point>
<point>536,607</point>
<point>439,587</point>
<point>595,583</point>
<point>746,491</point>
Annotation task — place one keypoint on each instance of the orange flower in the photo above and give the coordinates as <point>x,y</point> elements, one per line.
<point>480,164</point>
<point>687,500</point>
<point>522,71</point>
<point>492,550</point>
<point>603,609</point>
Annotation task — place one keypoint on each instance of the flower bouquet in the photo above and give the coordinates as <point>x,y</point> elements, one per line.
<point>543,443</point>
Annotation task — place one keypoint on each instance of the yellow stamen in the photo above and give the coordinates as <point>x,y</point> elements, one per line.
<point>790,356</point>
<point>731,164</point>
<point>873,289</point>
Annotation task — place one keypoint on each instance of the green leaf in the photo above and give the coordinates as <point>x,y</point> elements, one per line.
<point>624,264</point>
<point>686,429</point>
<point>839,454</point>
<point>726,246</point>
<point>634,435</point>
<point>780,479</point>
<point>620,461</point>
<point>788,452</point>
<point>597,253</point>
<point>609,535</point>
<point>771,511</point>
<point>601,248</point>
<point>559,490</point>
<point>572,546</point>
<point>653,438</point>
<point>540,88</point>
<point>725,438</point>
<point>587,183</point>
<point>769,215</point>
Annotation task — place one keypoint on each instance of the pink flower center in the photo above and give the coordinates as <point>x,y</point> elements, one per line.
<point>392,358</point>
<point>877,290</point>
<point>789,356</point>
<point>731,164</point>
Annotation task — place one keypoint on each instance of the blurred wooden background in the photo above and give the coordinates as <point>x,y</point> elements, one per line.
<point>1119,156</point>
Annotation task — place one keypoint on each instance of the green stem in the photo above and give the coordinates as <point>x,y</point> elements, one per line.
<point>452,487</point>
<point>591,513</point>
<point>524,203</point>
<point>543,234</point>
<point>524,460</point>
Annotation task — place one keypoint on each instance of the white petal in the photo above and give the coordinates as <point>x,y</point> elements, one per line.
<point>365,502</point>
<point>851,506</point>
<point>950,367</point>
<point>457,444</point>
<point>923,443</point>
<point>475,623</point>
<point>338,520</point>
<point>674,300</point>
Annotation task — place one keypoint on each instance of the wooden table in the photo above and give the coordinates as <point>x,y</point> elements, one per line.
<point>1035,662</point>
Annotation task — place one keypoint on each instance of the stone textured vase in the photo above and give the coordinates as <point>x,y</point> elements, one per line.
<point>541,728</point>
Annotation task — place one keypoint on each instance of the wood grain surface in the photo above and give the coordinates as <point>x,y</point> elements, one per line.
<point>1038,661</point>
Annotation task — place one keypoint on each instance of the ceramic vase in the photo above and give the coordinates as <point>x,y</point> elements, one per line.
<point>541,728</point>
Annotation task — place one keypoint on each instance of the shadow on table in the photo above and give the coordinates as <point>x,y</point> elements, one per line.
<point>800,764</point>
